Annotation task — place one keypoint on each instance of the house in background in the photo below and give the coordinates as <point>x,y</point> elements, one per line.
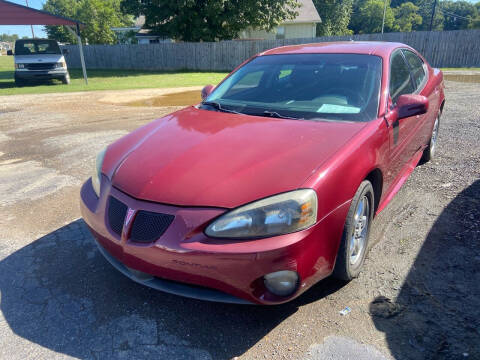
<point>126,35</point>
<point>145,36</point>
<point>303,26</point>
<point>5,46</point>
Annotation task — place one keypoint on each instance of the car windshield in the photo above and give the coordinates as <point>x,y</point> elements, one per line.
<point>36,47</point>
<point>303,86</point>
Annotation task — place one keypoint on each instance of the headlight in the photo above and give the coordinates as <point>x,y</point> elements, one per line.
<point>276,215</point>
<point>19,66</point>
<point>97,173</point>
<point>60,64</point>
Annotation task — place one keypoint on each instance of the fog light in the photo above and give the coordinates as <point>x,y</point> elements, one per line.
<point>281,283</point>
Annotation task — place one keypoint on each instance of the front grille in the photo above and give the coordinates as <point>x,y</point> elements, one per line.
<point>116,215</point>
<point>40,66</point>
<point>149,226</point>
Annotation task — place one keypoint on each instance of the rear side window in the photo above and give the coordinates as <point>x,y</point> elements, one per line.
<point>400,80</point>
<point>417,68</point>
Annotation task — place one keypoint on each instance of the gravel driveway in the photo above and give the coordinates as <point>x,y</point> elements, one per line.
<point>418,297</point>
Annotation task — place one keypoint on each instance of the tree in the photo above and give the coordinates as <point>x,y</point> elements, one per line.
<point>425,11</point>
<point>475,23</point>
<point>407,17</point>
<point>335,15</point>
<point>99,16</point>
<point>210,20</point>
<point>8,38</point>
<point>458,15</point>
<point>66,8</point>
<point>368,18</point>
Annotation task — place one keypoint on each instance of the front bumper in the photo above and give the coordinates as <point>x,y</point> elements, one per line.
<point>184,261</point>
<point>40,74</point>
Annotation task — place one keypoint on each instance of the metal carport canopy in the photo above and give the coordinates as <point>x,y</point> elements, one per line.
<point>15,14</point>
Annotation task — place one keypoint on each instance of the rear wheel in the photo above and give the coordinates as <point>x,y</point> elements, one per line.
<point>429,152</point>
<point>354,243</point>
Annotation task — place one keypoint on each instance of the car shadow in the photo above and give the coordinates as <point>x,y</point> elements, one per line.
<point>437,312</point>
<point>60,293</point>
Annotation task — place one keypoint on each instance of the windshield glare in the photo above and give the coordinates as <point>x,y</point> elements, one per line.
<point>304,86</point>
<point>36,47</point>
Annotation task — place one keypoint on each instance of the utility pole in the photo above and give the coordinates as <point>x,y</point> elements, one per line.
<point>433,14</point>
<point>31,26</point>
<point>384,11</point>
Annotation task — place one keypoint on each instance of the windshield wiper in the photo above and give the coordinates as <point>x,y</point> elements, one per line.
<point>275,114</point>
<point>219,107</point>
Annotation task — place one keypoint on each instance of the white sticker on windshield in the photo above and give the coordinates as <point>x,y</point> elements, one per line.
<point>338,109</point>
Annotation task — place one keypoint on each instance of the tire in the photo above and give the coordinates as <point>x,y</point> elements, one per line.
<point>19,82</point>
<point>354,243</point>
<point>66,79</point>
<point>429,152</point>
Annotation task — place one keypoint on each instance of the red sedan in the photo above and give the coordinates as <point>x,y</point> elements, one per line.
<point>271,183</point>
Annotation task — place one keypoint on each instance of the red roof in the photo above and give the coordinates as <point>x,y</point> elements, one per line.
<point>14,14</point>
<point>345,47</point>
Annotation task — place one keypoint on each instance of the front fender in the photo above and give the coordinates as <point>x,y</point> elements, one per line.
<point>338,179</point>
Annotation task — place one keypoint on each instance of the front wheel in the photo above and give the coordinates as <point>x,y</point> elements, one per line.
<point>354,243</point>
<point>66,79</point>
<point>19,82</point>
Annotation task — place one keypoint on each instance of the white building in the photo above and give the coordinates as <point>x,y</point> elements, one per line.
<point>4,46</point>
<point>303,26</point>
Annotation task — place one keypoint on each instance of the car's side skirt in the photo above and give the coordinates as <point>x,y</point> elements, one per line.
<point>400,180</point>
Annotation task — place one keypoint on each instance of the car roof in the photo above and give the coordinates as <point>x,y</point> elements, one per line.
<point>381,48</point>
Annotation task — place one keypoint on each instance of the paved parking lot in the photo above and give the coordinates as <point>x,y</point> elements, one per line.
<point>418,297</point>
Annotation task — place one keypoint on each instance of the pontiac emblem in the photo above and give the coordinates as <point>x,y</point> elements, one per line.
<point>129,216</point>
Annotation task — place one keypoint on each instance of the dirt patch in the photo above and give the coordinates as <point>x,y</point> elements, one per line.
<point>29,180</point>
<point>3,137</point>
<point>72,151</point>
<point>177,99</point>
<point>7,110</point>
<point>124,97</point>
<point>465,78</point>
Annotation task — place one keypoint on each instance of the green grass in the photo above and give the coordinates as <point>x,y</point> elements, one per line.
<point>114,80</point>
<point>106,80</point>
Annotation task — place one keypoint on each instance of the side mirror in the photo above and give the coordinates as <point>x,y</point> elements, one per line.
<point>411,105</point>
<point>9,52</point>
<point>65,51</point>
<point>207,90</point>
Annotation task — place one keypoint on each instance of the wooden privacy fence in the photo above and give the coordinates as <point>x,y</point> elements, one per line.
<point>459,48</point>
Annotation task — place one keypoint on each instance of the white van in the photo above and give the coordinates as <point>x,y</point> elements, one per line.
<point>39,59</point>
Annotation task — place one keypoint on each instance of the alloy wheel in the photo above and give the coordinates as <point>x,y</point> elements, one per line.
<point>358,239</point>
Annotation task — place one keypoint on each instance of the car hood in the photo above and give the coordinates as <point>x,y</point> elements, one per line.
<point>43,58</point>
<point>205,158</point>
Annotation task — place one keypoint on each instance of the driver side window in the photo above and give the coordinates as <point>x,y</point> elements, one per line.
<point>400,80</point>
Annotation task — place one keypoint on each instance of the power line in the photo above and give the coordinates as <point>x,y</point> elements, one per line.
<point>448,13</point>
